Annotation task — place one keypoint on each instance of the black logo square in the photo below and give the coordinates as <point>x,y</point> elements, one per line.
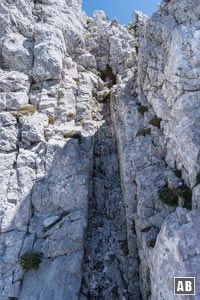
<point>184,285</point>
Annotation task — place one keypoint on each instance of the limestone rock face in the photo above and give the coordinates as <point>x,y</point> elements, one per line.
<point>99,151</point>
<point>170,80</point>
<point>42,210</point>
<point>178,243</point>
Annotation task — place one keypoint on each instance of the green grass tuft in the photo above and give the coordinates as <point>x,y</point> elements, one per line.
<point>28,110</point>
<point>24,111</point>
<point>142,110</point>
<point>155,122</point>
<point>168,196</point>
<point>106,96</point>
<point>30,261</point>
<point>51,120</point>
<point>178,173</point>
<point>73,135</point>
<point>151,243</point>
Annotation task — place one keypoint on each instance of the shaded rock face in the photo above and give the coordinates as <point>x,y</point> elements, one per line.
<point>97,122</point>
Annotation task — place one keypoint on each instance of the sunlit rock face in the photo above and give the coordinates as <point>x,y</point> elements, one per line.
<point>99,151</point>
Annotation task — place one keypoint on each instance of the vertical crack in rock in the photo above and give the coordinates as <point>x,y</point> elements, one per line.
<point>106,268</point>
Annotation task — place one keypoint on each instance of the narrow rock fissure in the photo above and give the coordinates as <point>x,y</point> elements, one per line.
<point>106,267</point>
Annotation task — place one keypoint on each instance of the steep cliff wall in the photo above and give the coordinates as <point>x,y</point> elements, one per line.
<point>99,151</point>
<point>168,78</point>
<point>44,173</point>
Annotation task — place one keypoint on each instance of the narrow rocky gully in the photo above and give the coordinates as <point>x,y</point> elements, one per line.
<point>106,271</point>
<point>91,110</point>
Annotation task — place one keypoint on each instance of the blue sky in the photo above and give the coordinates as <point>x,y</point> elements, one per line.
<point>122,9</point>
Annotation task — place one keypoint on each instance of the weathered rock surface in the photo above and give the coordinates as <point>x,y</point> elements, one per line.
<point>95,120</point>
<point>177,242</point>
<point>42,210</point>
<point>168,81</point>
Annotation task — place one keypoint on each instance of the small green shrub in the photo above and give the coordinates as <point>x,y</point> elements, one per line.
<point>72,134</point>
<point>30,261</point>
<point>106,96</point>
<point>51,120</point>
<point>151,243</point>
<point>155,122</point>
<point>168,196</point>
<point>144,132</point>
<point>178,173</point>
<point>142,110</point>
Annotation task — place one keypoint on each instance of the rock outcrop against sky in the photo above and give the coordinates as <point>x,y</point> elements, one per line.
<point>99,151</point>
